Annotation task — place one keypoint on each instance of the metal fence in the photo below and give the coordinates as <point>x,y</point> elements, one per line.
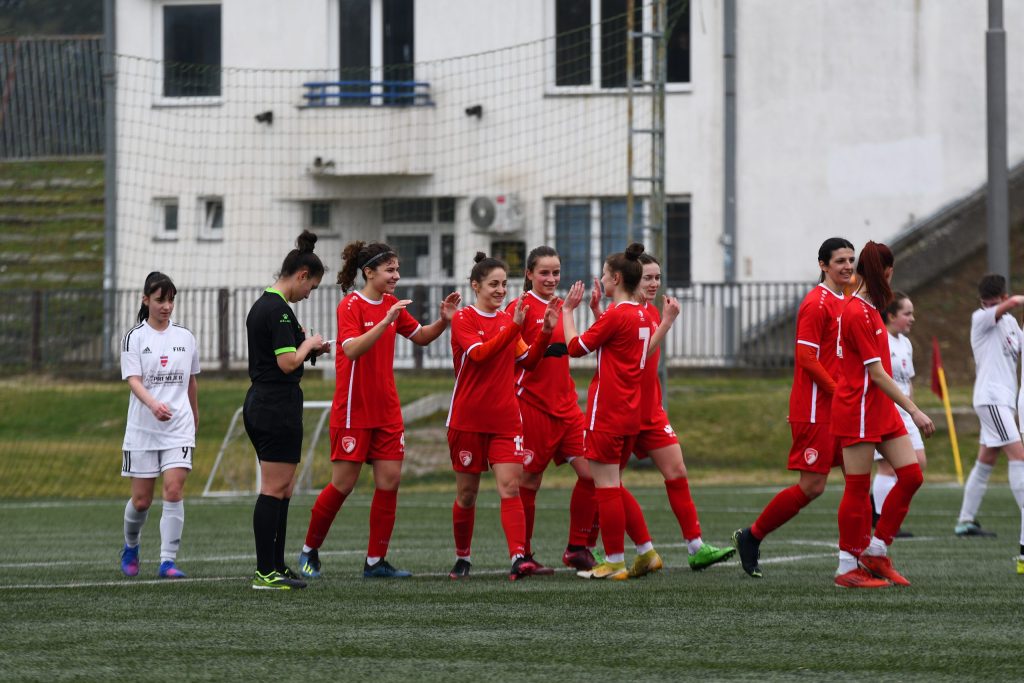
<point>51,97</point>
<point>721,325</point>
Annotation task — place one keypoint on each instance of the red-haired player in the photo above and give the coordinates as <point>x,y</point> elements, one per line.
<point>484,426</point>
<point>864,418</point>
<point>621,337</point>
<point>366,418</point>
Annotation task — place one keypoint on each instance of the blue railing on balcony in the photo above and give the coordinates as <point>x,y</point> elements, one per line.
<point>367,93</point>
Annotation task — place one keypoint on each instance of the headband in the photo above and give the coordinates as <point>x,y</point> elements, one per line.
<point>376,258</point>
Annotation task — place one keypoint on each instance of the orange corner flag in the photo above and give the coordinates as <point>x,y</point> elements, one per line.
<point>936,368</point>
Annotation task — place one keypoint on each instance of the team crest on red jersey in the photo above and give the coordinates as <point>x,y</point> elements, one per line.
<point>163,361</point>
<point>527,456</point>
<point>810,456</point>
<point>348,443</point>
<point>465,457</point>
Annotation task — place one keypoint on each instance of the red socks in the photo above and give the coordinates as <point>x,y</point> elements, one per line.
<point>382,522</point>
<point>513,521</point>
<point>529,498</point>
<point>855,514</point>
<point>462,528</point>
<point>582,512</point>
<point>636,525</point>
<point>897,503</point>
<point>681,502</point>
<point>613,519</point>
<point>325,509</point>
<point>782,508</point>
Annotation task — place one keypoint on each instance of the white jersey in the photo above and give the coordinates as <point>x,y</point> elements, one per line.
<point>166,362</point>
<point>996,345</point>
<point>901,352</point>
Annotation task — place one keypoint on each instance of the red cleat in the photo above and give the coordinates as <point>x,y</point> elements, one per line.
<point>882,568</point>
<point>522,568</point>
<point>539,569</point>
<point>580,560</point>
<point>859,578</point>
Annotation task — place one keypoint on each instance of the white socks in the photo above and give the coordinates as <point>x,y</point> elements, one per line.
<point>694,546</point>
<point>847,562</point>
<point>1017,487</point>
<point>644,547</point>
<point>974,491</point>
<point>880,489</point>
<point>171,523</point>
<point>133,521</point>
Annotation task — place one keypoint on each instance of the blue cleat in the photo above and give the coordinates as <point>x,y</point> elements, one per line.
<point>130,561</point>
<point>169,571</point>
<point>384,570</point>
<point>309,564</point>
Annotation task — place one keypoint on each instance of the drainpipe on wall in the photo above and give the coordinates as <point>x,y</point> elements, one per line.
<point>997,200</point>
<point>728,239</point>
<point>109,184</point>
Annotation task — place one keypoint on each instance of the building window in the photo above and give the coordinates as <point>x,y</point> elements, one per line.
<point>572,241</point>
<point>575,49</point>
<point>413,254</point>
<point>212,211</point>
<point>677,244</point>
<point>586,231</point>
<point>192,50</point>
<point>448,255</point>
<point>167,218</point>
<point>320,216</point>
<point>513,253</point>
<point>367,56</point>
<point>407,210</point>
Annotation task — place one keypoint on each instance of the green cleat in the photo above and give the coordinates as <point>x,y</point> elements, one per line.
<point>1020,565</point>
<point>709,555</point>
<point>646,563</point>
<point>275,581</point>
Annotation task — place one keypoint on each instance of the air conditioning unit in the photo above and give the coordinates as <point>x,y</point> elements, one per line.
<point>496,213</point>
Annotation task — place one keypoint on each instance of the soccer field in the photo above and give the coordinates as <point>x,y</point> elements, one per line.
<point>70,615</point>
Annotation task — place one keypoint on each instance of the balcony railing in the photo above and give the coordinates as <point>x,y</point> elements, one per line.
<point>367,93</point>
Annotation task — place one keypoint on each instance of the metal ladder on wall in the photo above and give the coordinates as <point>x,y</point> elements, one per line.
<point>652,179</point>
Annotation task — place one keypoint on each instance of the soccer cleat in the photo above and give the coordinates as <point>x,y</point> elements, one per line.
<point>882,567</point>
<point>580,560</point>
<point>275,581</point>
<point>460,570</point>
<point>972,528</point>
<point>290,573</point>
<point>383,570</point>
<point>904,534</point>
<point>709,555</point>
<point>859,578</point>
<point>749,549</point>
<point>539,569</point>
<point>309,564</point>
<point>169,571</point>
<point>612,571</point>
<point>130,560</point>
<point>521,568</point>
<point>646,563</point>
<point>1020,565</point>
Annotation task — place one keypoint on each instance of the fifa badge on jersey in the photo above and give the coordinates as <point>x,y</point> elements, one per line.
<point>527,456</point>
<point>810,456</point>
<point>163,361</point>
<point>465,457</point>
<point>348,443</point>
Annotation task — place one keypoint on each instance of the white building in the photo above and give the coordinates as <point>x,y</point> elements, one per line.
<point>854,119</point>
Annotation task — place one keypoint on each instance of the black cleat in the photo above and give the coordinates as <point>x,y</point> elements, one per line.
<point>972,528</point>
<point>521,568</point>
<point>749,549</point>
<point>539,569</point>
<point>460,570</point>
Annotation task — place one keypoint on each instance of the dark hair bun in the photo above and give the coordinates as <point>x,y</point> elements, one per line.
<point>306,241</point>
<point>480,256</point>
<point>634,250</point>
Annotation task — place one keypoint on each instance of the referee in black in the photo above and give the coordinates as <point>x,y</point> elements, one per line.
<point>272,411</point>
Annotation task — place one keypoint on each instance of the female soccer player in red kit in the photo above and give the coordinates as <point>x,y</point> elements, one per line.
<point>366,418</point>
<point>552,421</point>
<point>621,338</point>
<point>484,426</point>
<point>864,418</point>
<point>815,450</point>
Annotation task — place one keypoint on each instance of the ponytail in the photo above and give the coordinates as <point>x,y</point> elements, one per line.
<point>627,264</point>
<point>871,264</point>
<point>302,257</point>
<point>156,282</point>
<point>484,265</point>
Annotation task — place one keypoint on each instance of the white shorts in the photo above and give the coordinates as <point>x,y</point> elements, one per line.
<point>912,431</point>
<point>151,464</point>
<point>998,426</point>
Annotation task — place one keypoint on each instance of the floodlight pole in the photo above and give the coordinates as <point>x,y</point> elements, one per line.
<point>109,184</point>
<point>997,200</point>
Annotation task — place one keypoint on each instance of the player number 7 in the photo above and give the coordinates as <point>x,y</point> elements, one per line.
<point>645,337</point>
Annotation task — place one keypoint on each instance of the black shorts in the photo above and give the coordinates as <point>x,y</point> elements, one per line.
<point>272,414</point>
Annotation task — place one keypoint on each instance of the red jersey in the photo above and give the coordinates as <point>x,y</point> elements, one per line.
<point>621,337</point>
<point>549,386</point>
<point>484,398</point>
<point>816,326</point>
<point>859,408</point>
<point>364,389</point>
<point>650,385</point>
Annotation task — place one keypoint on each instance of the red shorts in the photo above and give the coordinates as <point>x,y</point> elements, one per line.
<point>657,433</point>
<point>473,451</point>
<point>846,441</point>
<point>547,438</point>
<point>814,448</point>
<point>365,445</point>
<point>608,448</point>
